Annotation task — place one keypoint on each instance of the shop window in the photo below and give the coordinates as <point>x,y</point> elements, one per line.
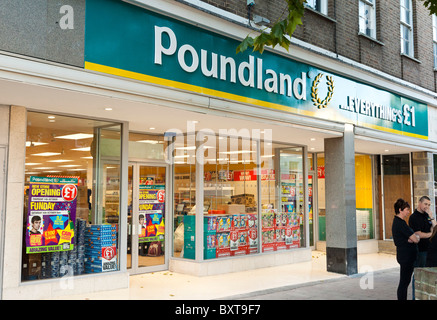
<point>290,223</point>
<point>144,147</point>
<point>311,185</point>
<point>184,198</point>
<point>321,204</point>
<point>363,196</point>
<point>247,208</point>
<point>230,198</point>
<point>396,184</point>
<point>71,197</point>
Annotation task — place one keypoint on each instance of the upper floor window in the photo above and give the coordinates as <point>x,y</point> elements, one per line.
<point>407,47</point>
<point>318,5</point>
<point>367,18</point>
<point>434,38</point>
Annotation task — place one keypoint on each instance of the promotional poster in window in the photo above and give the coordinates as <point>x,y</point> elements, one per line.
<point>51,214</point>
<point>151,213</point>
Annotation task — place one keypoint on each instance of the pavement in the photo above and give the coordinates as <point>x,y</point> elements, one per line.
<point>381,285</point>
<point>377,279</point>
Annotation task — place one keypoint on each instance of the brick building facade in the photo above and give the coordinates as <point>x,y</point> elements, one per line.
<point>338,32</point>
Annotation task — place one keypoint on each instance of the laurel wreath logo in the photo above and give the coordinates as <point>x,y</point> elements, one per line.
<point>315,91</point>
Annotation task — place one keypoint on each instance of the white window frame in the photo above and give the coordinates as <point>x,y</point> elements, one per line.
<point>434,39</point>
<point>407,24</point>
<point>318,5</point>
<point>367,21</point>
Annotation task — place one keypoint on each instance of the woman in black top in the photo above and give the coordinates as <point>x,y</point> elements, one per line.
<point>405,241</point>
<point>431,257</point>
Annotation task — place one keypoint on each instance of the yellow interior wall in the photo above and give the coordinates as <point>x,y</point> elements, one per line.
<point>363,181</point>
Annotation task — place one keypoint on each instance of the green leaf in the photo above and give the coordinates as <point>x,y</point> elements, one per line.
<point>247,42</point>
<point>285,44</point>
<point>431,5</point>
<point>278,31</point>
<point>261,41</point>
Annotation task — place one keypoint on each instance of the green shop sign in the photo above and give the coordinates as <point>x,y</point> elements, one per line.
<point>143,45</point>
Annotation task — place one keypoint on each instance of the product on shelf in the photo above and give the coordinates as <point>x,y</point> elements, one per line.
<point>246,199</point>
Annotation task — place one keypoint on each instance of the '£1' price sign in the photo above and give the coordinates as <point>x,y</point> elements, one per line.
<point>69,192</point>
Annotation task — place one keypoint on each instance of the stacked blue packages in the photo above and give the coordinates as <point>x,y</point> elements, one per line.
<point>98,237</point>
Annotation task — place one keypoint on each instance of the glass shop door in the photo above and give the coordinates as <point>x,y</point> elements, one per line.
<point>146,245</point>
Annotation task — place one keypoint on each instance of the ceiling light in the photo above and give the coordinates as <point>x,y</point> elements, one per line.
<point>34,144</point>
<point>51,117</point>
<point>46,154</point>
<point>59,160</point>
<point>82,149</point>
<point>44,168</point>
<point>76,136</point>
<point>77,169</point>
<point>313,139</point>
<point>70,165</point>
<point>240,161</point>
<point>237,152</point>
<point>193,148</point>
<point>86,157</point>
<point>52,120</point>
<point>186,148</point>
<point>152,128</point>
<point>108,109</point>
<point>148,141</point>
<point>32,164</point>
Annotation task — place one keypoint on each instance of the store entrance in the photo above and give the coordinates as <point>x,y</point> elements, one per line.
<point>146,249</point>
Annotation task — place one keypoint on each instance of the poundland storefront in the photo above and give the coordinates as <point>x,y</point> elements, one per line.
<point>170,151</point>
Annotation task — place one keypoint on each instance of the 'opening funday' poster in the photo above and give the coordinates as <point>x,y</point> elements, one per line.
<point>151,213</point>
<point>51,214</point>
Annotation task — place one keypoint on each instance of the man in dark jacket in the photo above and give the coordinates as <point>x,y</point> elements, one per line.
<point>422,222</point>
